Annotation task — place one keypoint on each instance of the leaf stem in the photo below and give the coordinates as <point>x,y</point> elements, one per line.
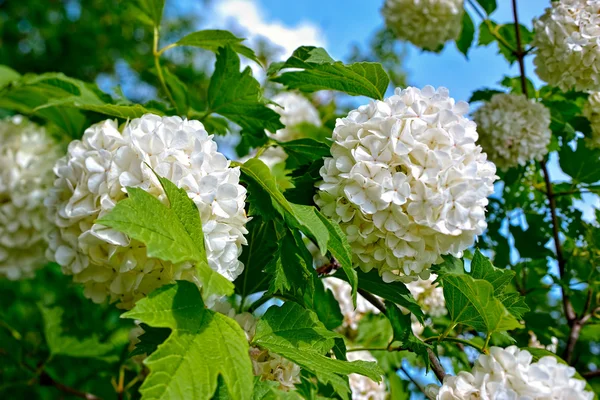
<point>493,30</point>
<point>159,72</point>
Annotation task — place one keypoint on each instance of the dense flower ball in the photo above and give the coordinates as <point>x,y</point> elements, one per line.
<point>567,42</point>
<point>510,374</point>
<point>591,111</point>
<point>429,295</point>
<point>513,130</point>
<point>364,388</point>
<point>407,182</point>
<point>269,366</point>
<point>91,180</point>
<point>27,154</point>
<point>427,24</point>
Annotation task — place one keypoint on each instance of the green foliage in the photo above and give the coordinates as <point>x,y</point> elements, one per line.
<point>203,345</point>
<point>303,151</point>
<point>467,34</point>
<point>152,9</point>
<point>297,334</point>
<point>171,233</point>
<point>488,5</point>
<point>321,72</point>
<point>582,163</point>
<point>214,39</point>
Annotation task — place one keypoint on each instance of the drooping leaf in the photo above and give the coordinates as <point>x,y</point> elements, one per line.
<point>403,334</point>
<point>325,306</point>
<point>581,164</point>
<point>203,345</point>
<point>152,9</point>
<point>179,92</point>
<point>7,75</point>
<point>304,151</point>
<point>298,335</point>
<point>124,111</point>
<point>396,292</point>
<point>171,233</point>
<point>237,96</point>
<point>321,72</point>
<point>467,34</point>
<point>214,39</point>
<point>61,344</point>
<point>488,5</point>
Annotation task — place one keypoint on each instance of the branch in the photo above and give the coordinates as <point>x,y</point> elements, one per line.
<point>519,52</point>
<point>435,363</point>
<point>47,380</point>
<point>412,380</point>
<point>591,374</point>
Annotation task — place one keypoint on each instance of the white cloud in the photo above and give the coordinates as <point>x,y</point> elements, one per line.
<point>249,19</point>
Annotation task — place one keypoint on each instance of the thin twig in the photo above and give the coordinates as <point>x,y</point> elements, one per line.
<point>412,380</point>
<point>373,300</point>
<point>519,53</point>
<point>161,77</point>
<point>591,374</point>
<point>47,380</point>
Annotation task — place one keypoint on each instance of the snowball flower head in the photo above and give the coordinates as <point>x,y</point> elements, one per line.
<point>429,295</point>
<point>269,366</point>
<point>406,182</point>
<point>510,374</point>
<point>427,24</point>
<point>93,177</point>
<point>364,388</point>
<point>591,110</point>
<point>567,42</point>
<point>513,130</point>
<point>27,154</point>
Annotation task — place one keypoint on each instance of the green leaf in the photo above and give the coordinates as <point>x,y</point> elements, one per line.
<point>471,302</point>
<point>401,326</point>
<point>270,390</point>
<point>237,96</point>
<point>514,303</point>
<point>7,75</point>
<point>321,72</point>
<point>482,268</point>
<point>61,344</point>
<point>304,180</point>
<point>153,9</point>
<point>488,5</point>
<point>396,292</point>
<point>150,340</point>
<point>515,86</point>
<point>340,248</point>
<point>325,305</point>
<point>304,151</point>
<point>171,233</point>
<point>214,39</point>
<point>124,111</point>
<point>216,125</point>
<point>179,91</point>
<point>312,225</point>
<point>582,164</point>
<point>203,345</point>
<point>297,334</point>
<point>483,95</point>
<point>467,34</point>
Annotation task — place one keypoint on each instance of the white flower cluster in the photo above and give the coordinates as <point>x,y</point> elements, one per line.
<point>27,154</point>
<point>364,388</point>
<point>91,180</point>
<point>510,374</point>
<point>429,295</point>
<point>427,24</point>
<point>295,109</point>
<point>591,111</point>
<point>513,129</point>
<point>407,182</point>
<point>269,366</point>
<point>567,42</point>
<point>534,342</point>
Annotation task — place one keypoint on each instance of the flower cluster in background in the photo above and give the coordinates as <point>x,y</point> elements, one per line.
<point>566,40</point>
<point>93,177</point>
<point>27,154</point>
<point>407,182</point>
<point>513,129</point>
<point>428,24</point>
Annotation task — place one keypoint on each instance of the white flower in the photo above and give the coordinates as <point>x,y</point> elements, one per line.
<point>513,130</point>
<point>591,110</point>
<point>428,24</point>
<point>269,366</point>
<point>91,180</point>
<point>567,42</point>
<point>407,182</point>
<point>534,342</point>
<point>295,109</point>
<point>429,295</point>
<point>510,374</point>
<point>27,154</point>
<point>362,387</point>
